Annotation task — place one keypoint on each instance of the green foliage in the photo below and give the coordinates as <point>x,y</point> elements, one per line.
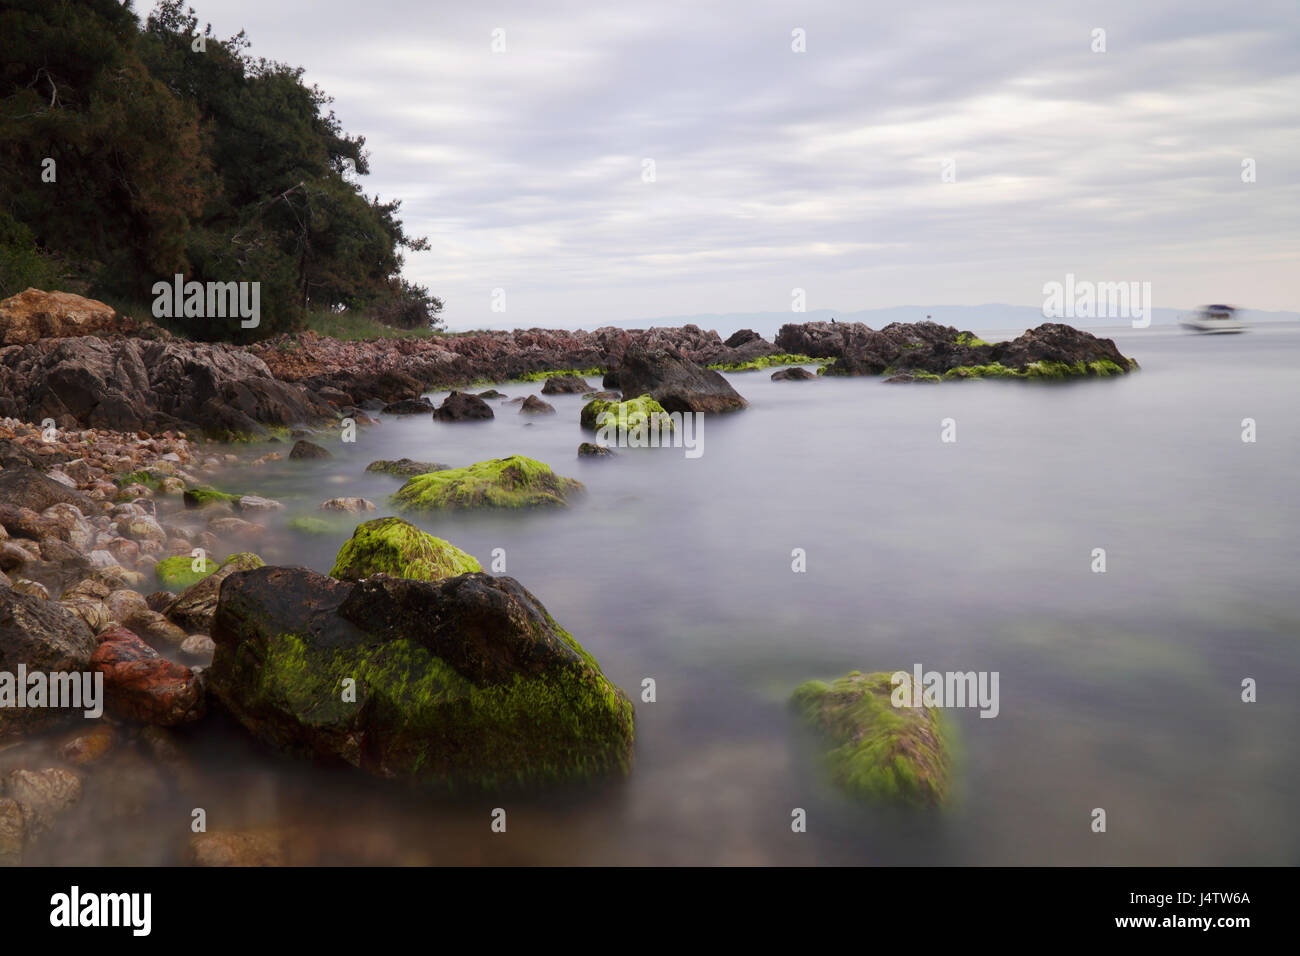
<point>213,164</point>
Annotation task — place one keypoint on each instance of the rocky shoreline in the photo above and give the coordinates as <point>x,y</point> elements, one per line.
<point>118,560</point>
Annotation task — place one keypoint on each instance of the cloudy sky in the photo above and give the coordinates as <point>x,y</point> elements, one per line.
<point>819,170</point>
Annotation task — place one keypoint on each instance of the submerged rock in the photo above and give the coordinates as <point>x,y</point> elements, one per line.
<point>302,448</point>
<point>462,407</point>
<point>204,497</point>
<point>533,405</point>
<point>310,526</point>
<point>176,574</point>
<point>795,374</point>
<point>353,506</point>
<point>466,682</point>
<point>878,751</point>
<point>591,450</point>
<point>675,383</point>
<point>514,482</point>
<point>409,406</point>
<point>397,547</point>
<point>405,467</point>
<point>565,385</point>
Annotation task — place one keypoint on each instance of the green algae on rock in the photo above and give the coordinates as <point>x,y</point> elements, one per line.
<point>397,547</point>
<point>405,467</point>
<point>310,526</point>
<point>514,482</point>
<point>880,752</point>
<point>203,496</point>
<point>463,683</point>
<point>626,415</point>
<point>177,574</point>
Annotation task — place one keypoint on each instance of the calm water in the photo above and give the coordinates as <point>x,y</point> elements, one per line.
<point>1118,690</point>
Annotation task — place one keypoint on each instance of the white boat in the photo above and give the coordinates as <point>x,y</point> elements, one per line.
<point>1214,319</point>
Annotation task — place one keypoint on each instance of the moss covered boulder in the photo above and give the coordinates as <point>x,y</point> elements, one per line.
<point>176,574</point>
<point>405,467</point>
<point>878,751</point>
<point>464,683</point>
<point>397,547</point>
<point>205,497</point>
<point>514,482</point>
<point>623,415</point>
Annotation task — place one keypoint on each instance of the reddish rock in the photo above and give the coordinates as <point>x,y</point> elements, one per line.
<point>141,685</point>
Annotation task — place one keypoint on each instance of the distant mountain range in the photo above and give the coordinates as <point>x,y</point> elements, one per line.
<point>966,317</point>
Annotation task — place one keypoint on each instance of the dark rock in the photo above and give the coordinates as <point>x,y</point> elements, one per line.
<point>462,407</point>
<point>675,383</point>
<point>491,393</point>
<point>795,374</point>
<point>42,636</point>
<point>565,385</point>
<point>405,467</point>
<point>741,337</point>
<point>305,449</point>
<point>22,487</point>
<point>410,406</point>
<point>533,405</point>
<point>463,681</point>
<point>592,450</point>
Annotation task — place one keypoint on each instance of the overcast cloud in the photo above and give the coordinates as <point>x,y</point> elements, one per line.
<point>818,170</point>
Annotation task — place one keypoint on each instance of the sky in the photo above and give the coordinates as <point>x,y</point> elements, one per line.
<point>621,160</point>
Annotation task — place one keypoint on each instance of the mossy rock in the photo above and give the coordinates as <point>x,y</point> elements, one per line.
<point>397,547</point>
<point>204,497</point>
<point>514,482</point>
<point>461,684</point>
<point>623,415</point>
<point>310,526</point>
<point>406,467</point>
<point>879,752</point>
<point>176,574</point>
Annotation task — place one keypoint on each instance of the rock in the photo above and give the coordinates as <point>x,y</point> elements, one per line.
<point>305,449</point>
<point>397,547</point>
<point>604,396</point>
<point>143,686</point>
<point>675,383</point>
<point>85,747</point>
<point>193,609</point>
<point>157,630</point>
<point>43,636</point>
<point>239,848</point>
<point>461,407</point>
<point>125,605</point>
<point>514,482</point>
<point>565,385</point>
<point>21,522</point>
<point>94,614</point>
<point>14,557</point>
<point>349,505</point>
<point>199,647</point>
<point>410,406</point>
<point>33,588</point>
<point>158,601</point>
<point>22,487</point>
<point>879,752</point>
<point>590,450</point>
<point>235,528</point>
<point>310,526</point>
<point>795,374</point>
<point>533,405</point>
<point>254,503</point>
<point>176,574</point>
<point>405,467</point>
<point>11,832</point>
<point>491,393</point>
<point>33,315</point>
<point>42,795</point>
<point>140,528</point>
<point>461,682</point>
<point>642,412</point>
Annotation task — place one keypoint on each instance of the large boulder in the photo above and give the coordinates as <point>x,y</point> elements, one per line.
<point>397,547</point>
<point>878,751</point>
<point>194,608</point>
<point>32,315</point>
<point>464,682</point>
<point>565,385</point>
<point>675,383</point>
<point>514,482</point>
<point>42,636</point>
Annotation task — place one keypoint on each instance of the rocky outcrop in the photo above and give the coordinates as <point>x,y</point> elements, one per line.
<point>676,383</point>
<point>129,385</point>
<point>32,315</point>
<point>514,482</point>
<point>565,385</point>
<point>462,683</point>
